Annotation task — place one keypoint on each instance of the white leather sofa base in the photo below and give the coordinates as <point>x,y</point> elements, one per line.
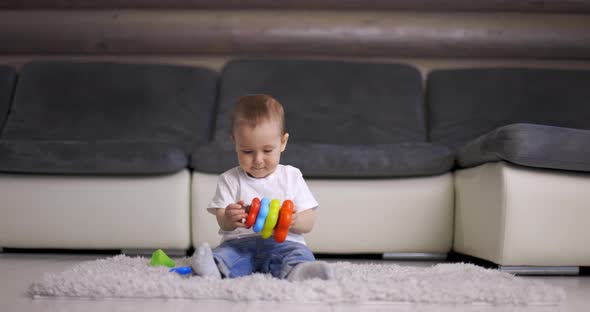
<point>80,212</point>
<point>514,215</point>
<point>359,216</point>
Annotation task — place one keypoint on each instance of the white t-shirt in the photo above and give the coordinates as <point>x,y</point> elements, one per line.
<point>285,183</point>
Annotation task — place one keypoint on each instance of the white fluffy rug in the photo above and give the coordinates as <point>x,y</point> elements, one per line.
<point>133,277</point>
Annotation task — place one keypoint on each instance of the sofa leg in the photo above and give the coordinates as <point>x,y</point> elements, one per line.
<point>540,270</point>
<point>415,256</point>
<point>148,252</point>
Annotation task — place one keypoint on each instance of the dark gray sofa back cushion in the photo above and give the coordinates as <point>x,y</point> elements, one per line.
<point>463,104</point>
<point>7,81</point>
<point>107,118</point>
<point>345,120</point>
<point>104,101</point>
<point>331,102</point>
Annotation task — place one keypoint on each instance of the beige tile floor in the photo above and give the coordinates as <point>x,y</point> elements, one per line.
<point>17,271</point>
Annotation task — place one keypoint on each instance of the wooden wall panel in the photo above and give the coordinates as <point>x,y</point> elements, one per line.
<point>296,33</point>
<point>562,6</point>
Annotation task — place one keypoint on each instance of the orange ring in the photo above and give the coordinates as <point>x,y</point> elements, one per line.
<point>253,213</point>
<point>285,216</point>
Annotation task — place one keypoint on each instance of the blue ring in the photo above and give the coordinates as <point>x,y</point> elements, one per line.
<point>261,218</point>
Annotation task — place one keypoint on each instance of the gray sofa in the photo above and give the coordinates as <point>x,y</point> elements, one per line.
<point>480,161</point>
<point>7,83</point>
<point>522,143</point>
<point>95,155</point>
<point>358,134</point>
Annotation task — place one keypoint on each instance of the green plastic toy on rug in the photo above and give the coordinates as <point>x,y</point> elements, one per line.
<point>159,257</point>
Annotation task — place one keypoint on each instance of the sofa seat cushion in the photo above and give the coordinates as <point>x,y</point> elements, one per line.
<point>95,117</point>
<point>85,157</point>
<point>530,145</point>
<point>321,160</point>
<point>7,81</point>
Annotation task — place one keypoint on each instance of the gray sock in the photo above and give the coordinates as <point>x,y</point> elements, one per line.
<point>203,263</point>
<point>308,270</point>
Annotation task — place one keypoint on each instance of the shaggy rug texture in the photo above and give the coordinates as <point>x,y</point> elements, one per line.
<point>132,277</point>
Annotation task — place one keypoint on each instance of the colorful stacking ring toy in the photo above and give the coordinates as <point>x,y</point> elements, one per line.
<point>267,216</point>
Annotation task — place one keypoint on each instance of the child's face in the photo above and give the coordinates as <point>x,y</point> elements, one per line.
<point>259,148</point>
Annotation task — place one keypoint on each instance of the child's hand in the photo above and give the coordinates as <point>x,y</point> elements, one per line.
<point>302,222</point>
<point>234,214</point>
<point>293,219</point>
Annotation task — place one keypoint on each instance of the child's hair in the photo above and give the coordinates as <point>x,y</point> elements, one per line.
<point>251,109</point>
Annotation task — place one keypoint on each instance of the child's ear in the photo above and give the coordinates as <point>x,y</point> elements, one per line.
<point>233,139</point>
<point>284,140</point>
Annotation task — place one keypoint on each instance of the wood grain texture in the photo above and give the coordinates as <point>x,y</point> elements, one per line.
<point>296,33</point>
<point>561,6</point>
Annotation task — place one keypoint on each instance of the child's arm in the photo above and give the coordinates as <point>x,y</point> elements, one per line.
<point>230,217</point>
<point>302,222</point>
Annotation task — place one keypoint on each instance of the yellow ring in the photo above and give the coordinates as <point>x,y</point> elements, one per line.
<point>271,219</point>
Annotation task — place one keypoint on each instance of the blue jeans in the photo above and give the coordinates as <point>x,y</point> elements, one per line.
<point>244,256</point>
